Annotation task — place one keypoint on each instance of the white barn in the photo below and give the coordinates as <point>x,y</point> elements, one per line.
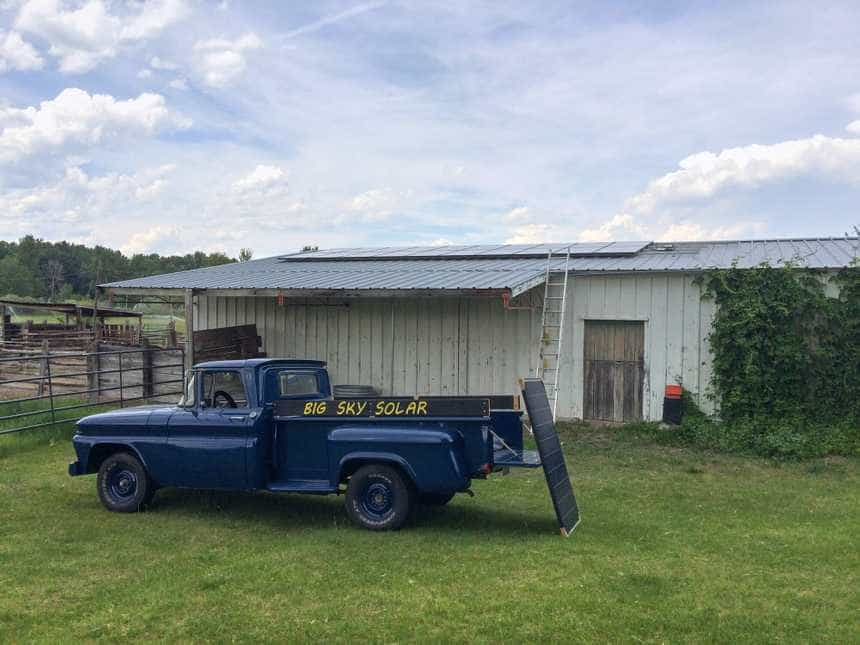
<point>470,319</point>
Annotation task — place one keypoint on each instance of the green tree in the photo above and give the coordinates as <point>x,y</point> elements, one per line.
<point>16,279</point>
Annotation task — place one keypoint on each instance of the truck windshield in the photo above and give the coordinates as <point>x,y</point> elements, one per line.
<point>189,398</point>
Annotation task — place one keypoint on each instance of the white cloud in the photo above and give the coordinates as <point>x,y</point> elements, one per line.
<point>619,227</point>
<point>704,174</point>
<point>82,37</point>
<point>533,233</point>
<point>377,204</point>
<point>154,17</point>
<point>16,54</point>
<point>625,227</point>
<point>691,232</point>
<point>153,238</point>
<point>79,198</point>
<point>76,119</point>
<point>159,63</point>
<point>853,127</point>
<point>144,73</point>
<point>220,61</point>
<point>518,214</point>
<point>178,84</point>
<point>263,177</point>
<point>654,213</point>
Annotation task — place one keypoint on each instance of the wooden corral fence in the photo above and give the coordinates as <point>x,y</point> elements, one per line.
<point>117,373</point>
<point>43,388</point>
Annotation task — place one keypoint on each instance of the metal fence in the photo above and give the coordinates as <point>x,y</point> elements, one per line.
<point>40,389</point>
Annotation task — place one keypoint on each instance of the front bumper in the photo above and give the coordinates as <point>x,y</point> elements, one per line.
<point>75,469</point>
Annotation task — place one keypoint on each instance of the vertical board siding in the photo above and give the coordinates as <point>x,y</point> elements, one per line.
<point>473,345</point>
<point>677,323</point>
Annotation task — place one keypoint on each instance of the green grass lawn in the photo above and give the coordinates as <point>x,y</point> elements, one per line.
<point>674,546</point>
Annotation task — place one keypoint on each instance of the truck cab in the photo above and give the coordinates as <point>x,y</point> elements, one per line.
<point>272,424</point>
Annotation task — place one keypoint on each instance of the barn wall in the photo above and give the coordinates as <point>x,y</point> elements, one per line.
<point>677,322</point>
<point>401,346</point>
<point>472,345</point>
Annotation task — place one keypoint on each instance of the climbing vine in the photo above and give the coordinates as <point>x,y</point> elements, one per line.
<point>786,350</point>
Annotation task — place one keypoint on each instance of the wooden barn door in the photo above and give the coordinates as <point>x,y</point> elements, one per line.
<point>614,370</point>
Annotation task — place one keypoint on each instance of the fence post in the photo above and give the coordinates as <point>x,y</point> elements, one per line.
<point>47,361</point>
<point>93,369</point>
<point>171,332</point>
<point>147,377</point>
<point>43,368</point>
<point>2,324</point>
<point>121,393</point>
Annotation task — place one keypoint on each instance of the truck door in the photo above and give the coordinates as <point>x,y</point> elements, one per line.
<point>207,438</point>
<point>301,449</point>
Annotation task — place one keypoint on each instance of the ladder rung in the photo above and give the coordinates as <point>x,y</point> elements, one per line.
<point>555,284</point>
<point>555,297</point>
<point>549,325</point>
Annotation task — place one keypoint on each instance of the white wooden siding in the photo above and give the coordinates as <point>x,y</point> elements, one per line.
<point>677,322</point>
<point>472,345</point>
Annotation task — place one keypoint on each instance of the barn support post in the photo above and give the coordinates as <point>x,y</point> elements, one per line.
<point>2,323</point>
<point>189,329</point>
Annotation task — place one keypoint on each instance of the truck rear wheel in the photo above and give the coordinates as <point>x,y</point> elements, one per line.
<point>123,483</point>
<point>379,498</point>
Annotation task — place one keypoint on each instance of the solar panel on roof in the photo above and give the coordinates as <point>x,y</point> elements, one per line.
<point>478,251</point>
<point>620,248</point>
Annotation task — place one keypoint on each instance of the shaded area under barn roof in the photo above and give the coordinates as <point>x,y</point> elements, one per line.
<point>71,309</point>
<point>488,268</point>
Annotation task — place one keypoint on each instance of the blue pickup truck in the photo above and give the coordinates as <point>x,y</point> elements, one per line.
<point>272,424</point>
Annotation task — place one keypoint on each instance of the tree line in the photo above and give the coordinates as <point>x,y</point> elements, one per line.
<point>35,268</point>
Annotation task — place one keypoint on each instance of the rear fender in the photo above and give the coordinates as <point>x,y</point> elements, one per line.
<point>431,458</point>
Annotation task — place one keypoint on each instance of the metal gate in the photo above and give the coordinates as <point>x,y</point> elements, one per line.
<point>614,370</point>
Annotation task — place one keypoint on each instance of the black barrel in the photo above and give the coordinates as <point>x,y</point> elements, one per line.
<point>672,409</point>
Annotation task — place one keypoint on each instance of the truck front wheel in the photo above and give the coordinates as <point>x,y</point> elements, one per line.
<point>123,483</point>
<point>379,498</point>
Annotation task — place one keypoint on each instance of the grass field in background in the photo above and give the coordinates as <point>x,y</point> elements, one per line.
<point>674,546</point>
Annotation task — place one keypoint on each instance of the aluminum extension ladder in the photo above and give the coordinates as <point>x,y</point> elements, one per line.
<point>552,327</point>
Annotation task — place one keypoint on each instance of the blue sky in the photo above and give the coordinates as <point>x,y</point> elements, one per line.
<point>177,125</point>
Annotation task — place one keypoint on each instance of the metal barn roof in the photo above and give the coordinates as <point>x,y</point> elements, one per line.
<point>513,268</point>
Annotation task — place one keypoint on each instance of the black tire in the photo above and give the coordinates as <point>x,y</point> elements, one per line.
<point>435,499</point>
<point>123,484</point>
<point>379,498</point>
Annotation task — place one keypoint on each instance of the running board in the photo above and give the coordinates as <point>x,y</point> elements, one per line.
<point>320,486</point>
<point>551,455</point>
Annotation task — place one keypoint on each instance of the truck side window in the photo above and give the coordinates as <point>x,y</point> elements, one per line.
<point>224,390</point>
<point>297,384</point>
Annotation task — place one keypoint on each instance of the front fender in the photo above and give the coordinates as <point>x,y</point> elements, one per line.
<point>432,457</point>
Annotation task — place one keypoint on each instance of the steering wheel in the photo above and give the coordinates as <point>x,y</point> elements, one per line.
<point>228,400</point>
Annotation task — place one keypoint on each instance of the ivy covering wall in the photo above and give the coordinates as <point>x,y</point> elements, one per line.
<point>786,352</point>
